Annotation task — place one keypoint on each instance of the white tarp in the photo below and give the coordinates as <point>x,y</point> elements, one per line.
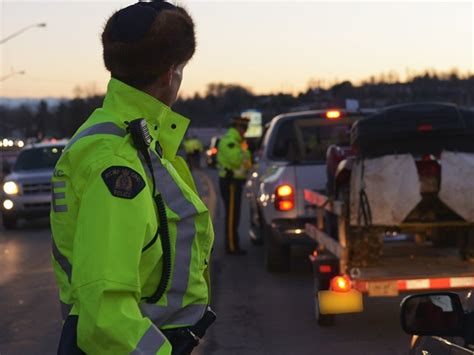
<point>457,183</point>
<point>392,187</point>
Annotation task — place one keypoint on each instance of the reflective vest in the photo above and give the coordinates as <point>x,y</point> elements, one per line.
<point>193,145</point>
<point>107,256</point>
<point>233,154</point>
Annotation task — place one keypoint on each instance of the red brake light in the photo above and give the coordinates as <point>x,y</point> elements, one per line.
<point>424,128</point>
<point>285,205</point>
<point>325,269</point>
<point>284,198</point>
<point>333,114</point>
<point>341,284</point>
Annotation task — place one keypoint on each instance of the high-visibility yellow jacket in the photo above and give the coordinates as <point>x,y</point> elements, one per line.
<point>107,254</point>
<point>193,145</point>
<point>234,155</point>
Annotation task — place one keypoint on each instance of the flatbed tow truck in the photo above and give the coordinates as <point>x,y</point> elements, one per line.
<point>408,264</point>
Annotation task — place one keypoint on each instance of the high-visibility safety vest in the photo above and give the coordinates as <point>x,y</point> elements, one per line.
<point>107,256</point>
<point>193,145</point>
<point>233,154</point>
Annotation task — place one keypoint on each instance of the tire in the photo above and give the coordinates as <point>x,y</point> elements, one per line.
<point>323,320</point>
<point>277,256</point>
<point>9,222</point>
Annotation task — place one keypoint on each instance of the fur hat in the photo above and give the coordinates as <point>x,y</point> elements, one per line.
<point>143,41</point>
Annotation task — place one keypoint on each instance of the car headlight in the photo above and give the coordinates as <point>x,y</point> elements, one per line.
<point>10,188</point>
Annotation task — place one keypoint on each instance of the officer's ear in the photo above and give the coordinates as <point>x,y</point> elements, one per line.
<point>167,78</point>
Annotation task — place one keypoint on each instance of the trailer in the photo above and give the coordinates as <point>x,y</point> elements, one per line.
<point>408,263</point>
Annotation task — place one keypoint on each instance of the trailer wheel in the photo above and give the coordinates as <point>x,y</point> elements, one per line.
<point>277,256</point>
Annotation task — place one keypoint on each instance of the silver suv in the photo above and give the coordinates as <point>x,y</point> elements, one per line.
<point>26,191</point>
<point>291,158</point>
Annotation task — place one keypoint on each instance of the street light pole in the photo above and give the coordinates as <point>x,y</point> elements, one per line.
<point>3,78</point>
<point>2,41</point>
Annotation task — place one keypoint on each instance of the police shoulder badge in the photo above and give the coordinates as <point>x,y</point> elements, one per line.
<point>123,182</point>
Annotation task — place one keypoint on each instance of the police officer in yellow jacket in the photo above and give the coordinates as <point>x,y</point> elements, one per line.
<point>131,237</point>
<point>233,163</point>
<point>193,149</point>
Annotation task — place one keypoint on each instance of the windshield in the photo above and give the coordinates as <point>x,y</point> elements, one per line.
<point>38,158</point>
<point>307,140</point>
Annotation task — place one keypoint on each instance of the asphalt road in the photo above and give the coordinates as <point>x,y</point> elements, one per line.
<point>258,312</point>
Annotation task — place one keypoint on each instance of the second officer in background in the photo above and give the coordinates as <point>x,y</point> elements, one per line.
<point>233,163</point>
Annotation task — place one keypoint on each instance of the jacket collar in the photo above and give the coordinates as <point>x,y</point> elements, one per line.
<point>128,103</point>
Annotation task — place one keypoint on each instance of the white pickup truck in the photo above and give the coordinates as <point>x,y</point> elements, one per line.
<point>290,159</point>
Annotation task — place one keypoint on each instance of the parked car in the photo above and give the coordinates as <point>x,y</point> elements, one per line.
<point>440,323</point>
<point>291,158</point>
<point>211,153</point>
<point>26,191</point>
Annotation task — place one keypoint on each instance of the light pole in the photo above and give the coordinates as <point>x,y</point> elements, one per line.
<point>13,73</point>
<point>2,41</point>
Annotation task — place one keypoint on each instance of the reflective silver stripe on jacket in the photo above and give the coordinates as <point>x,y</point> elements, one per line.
<point>61,260</point>
<point>100,128</point>
<point>168,315</point>
<point>174,313</point>
<point>150,342</point>
<point>58,196</point>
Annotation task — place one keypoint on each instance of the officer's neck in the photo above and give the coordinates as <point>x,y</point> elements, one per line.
<point>162,94</point>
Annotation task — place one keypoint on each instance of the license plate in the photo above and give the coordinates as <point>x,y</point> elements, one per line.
<point>383,289</point>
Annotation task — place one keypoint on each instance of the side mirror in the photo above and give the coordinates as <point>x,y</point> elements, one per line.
<point>437,314</point>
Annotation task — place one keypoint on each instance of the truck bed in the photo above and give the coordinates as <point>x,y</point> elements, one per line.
<point>403,260</point>
<point>407,267</point>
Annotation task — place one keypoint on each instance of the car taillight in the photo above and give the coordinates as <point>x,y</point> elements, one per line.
<point>284,198</point>
<point>424,128</point>
<point>341,284</point>
<point>325,269</point>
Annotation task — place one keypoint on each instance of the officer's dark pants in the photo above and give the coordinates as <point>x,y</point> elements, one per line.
<point>231,192</point>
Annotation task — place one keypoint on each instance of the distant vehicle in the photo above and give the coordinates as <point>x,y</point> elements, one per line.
<point>211,153</point>
<point>291,158</point>
<point>439,323</point>
<point>26,191</point>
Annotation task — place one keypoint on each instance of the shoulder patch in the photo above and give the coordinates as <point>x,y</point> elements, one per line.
<point>123,182</point>
<point>231,145</point>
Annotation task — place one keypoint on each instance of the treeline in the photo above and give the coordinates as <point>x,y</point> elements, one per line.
<point>222,101</point>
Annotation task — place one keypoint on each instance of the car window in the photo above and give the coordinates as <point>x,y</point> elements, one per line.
<point>38,158</point>
<point>307,141</point>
